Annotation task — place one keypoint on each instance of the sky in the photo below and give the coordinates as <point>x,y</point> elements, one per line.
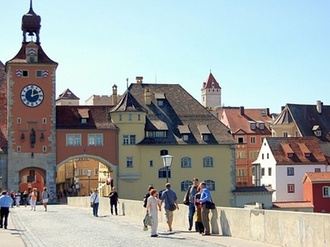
<point>263,53</point>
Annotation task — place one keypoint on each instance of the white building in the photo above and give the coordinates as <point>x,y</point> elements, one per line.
<point>282,163</point>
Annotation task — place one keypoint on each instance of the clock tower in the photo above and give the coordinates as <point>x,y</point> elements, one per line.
<point>31,112</point>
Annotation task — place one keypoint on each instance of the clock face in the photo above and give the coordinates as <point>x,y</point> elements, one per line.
<point>32,95</point>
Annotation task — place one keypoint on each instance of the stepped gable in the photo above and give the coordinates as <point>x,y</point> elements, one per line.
<point>179,108</point>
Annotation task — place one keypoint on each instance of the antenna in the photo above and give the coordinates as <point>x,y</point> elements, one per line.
<point>126,83</point>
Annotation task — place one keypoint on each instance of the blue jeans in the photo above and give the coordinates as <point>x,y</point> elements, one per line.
<point>95,208</point>
<point>191,214</point>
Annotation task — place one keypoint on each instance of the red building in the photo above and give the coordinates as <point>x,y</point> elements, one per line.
<point>317,190</point>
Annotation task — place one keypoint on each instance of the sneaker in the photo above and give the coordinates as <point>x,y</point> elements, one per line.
<point>154,236</point>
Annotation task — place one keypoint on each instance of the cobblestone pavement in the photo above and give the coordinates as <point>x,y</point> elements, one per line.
<point>63,226</point>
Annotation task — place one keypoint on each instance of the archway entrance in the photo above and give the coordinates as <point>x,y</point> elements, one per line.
<point>80,175</point>
<point>32,177</point>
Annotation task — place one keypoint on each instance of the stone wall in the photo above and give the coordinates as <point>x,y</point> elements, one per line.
<point>293,229</point>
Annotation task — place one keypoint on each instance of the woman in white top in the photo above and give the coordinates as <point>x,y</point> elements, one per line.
<point>153,205</point>
<point>95,201</point>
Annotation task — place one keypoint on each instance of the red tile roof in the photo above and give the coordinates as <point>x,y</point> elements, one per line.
<point>238,119</point>
<point>317,177</point>
<point>281,156</point>
<point>211,82</point>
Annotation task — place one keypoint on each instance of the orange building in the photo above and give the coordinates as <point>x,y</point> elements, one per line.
<point>249,127</point>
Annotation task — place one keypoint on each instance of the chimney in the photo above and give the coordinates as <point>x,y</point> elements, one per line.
<point>139,79</point>
<point>114,95</point>
<point>319,105</point>
<point>147,96</point>
<point>241,110</point>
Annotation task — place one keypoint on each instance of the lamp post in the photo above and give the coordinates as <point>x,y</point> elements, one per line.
<point>167,162</point>
<point>89,173</point>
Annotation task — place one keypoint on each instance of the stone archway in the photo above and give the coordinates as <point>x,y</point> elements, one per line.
<point>73,178</point>
<point>32,177</point>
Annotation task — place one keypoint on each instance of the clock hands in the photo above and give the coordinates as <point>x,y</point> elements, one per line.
<point>34,94</point>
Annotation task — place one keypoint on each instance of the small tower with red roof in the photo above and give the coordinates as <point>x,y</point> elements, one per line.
<point>211,92</point>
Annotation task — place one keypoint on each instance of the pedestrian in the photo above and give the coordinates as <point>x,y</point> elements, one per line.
<point>153,205</point>
<point>205,197</point>
<point>18,198</point>
<point>44,198</point>
<point>95,202</point>
<point>12,195</point>
<point>169,198</point>
<point>145,198</point>
<point>113,200</point>
<point>25,197</point>
<point>33,199</point>
<point>5,204</point>
<point>198,213</point>
<point>189,200</point>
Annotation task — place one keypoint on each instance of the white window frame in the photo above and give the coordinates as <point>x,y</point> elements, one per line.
<point>207,161</point>
<point>186,162</point>
<point>326,191</point>
<point>129,162</point>
<point>95,140</point>
<point>73,140</point>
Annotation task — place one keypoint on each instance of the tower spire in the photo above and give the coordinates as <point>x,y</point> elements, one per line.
<point>31,24</point>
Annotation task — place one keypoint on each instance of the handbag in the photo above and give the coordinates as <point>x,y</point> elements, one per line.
<point>186,197</point>
<point>210,205</point>
<point>172,206</point>
<point>147,221</point>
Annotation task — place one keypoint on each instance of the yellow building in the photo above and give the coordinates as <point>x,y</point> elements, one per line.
<point>156,119</point>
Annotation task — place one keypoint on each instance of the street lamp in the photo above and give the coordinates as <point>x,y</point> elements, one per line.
<point>89,173</point>
<point>167,162</point>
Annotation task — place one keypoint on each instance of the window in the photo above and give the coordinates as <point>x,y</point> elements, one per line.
<point>160,103</point>
<point>185,137</point>
<point>25,73</point>
<point>262,156</point>
<point>206,137</point>
<point>290,171</point>
<point>285,134</point>
<point>163,171</point>
<point>155,134</point>
<point>129,162</point>
<point>253,125</point>
<point>262,171</point>
<point>267,156</point>
<point>129,139</point>
<point>261,126</point>
<point>18,149</point>
<point>84,121</point>
<point>208,162</point>
<point>151,163</point>
<point>240,140</point>
<point>317,170</point>
<point>269,171</point>
<point>139,117</point>
<point>120,117</point>
<point>95,139</point>
<point>130,117</point>
<point>326,191</point>
<point>253,155</point>
<point>39,73</point>
<point>96,172</point>
<point>185,185</point>
<point>240,154</point>
<point>19,120</point>
<point>290,188</point>
<point>44,120</point>
<point>210,184</point>
<point>44,148</point>
<point>73,140</point>
<point>253,139</point>
<point>185,162</point>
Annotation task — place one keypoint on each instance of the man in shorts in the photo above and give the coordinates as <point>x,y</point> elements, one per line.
<point>169,198</point>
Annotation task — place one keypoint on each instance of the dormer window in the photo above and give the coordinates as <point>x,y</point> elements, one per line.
<point>252,125</point>
<point>184,131</point>
<point>160,97</point>
<point>185,137</point>
<point>84,121</point>
<point>317,130</point>
<point>261,125</point>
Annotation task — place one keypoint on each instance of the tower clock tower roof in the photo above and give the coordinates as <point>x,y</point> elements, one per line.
<point>31,24</point>
<point>211,82</point>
